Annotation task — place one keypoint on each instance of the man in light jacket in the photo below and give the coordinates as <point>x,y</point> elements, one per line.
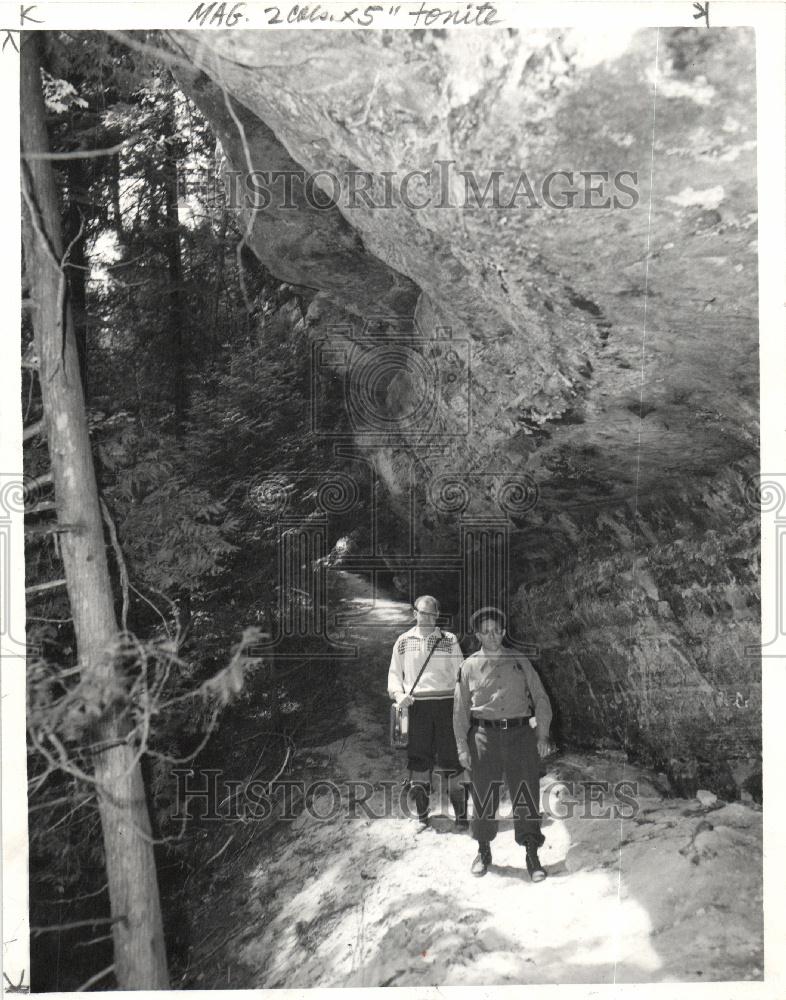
<point>431,739</point>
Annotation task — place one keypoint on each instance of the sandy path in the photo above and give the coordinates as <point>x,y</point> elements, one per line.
<point>671,894</point>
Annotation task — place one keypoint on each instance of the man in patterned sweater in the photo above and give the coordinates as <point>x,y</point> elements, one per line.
<point>431,739</point>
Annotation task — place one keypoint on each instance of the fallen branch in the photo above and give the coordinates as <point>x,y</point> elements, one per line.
<point>257,769</point>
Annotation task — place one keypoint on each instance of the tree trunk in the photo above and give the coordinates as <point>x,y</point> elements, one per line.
<point>114,187</point>
<point>140,959</point>
<point>178,314</point>
<point>220,248</point>
<point>77,195</point>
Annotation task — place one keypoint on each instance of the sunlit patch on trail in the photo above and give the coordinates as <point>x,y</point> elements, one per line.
<point>376,610</point>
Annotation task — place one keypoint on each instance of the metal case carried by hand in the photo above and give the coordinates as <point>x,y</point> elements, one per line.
<point>399,726</point>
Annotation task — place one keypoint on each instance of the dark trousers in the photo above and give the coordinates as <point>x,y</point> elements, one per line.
<point>510,755</point>
<point>431,739</point>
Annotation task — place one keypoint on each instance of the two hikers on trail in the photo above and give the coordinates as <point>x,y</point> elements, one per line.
<point>477,720</point>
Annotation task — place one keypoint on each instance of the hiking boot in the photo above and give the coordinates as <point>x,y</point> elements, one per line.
<point>459,803</point>
<point>483,859</point>
<point>420,798</point>
<point>536,870</point>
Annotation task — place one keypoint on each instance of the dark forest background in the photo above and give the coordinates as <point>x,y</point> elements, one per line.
<point>191,359</point>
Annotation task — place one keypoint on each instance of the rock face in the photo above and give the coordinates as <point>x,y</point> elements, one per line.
<point>649,636</point>
<point>603,323</point>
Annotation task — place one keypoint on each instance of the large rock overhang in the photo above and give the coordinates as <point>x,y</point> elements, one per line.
<point>614,349</point>
<point>611,336</point>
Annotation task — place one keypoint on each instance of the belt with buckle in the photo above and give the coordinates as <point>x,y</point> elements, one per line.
<point>521,720</point>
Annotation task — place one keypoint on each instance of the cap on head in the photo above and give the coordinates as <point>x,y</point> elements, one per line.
<point>426,603</point>
<point>487,614</point>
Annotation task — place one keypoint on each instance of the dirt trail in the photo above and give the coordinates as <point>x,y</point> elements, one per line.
<point>672,894</point>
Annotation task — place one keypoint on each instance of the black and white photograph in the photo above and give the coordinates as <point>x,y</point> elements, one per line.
<point>391,513</point>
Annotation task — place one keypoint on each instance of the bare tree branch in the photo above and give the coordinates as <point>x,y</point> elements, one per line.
<point>45,479</point>
<point>34,429</point>
<point>40,587</point>
<point>154,51</point>
<point>95,940</point>
<point>78,899</point>
<point>158,612</point>
<point>35,219</point>
<point>32,368</point>
<point>121,562</point>
<point>74,924</point>
<point>41,508</point>
<point>83,154</point>
<point>50,804</point>
<point>31,531</point>
<point>220,852</point>
<point>94,979</point>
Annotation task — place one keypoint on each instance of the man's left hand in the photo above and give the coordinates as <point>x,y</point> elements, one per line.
<point>544,748</point>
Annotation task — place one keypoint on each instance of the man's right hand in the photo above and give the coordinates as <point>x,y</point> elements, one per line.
<point>403,700</point>
<point>465,761</point>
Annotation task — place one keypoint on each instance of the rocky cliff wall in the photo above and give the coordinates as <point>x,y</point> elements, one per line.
<point>649,633</point>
